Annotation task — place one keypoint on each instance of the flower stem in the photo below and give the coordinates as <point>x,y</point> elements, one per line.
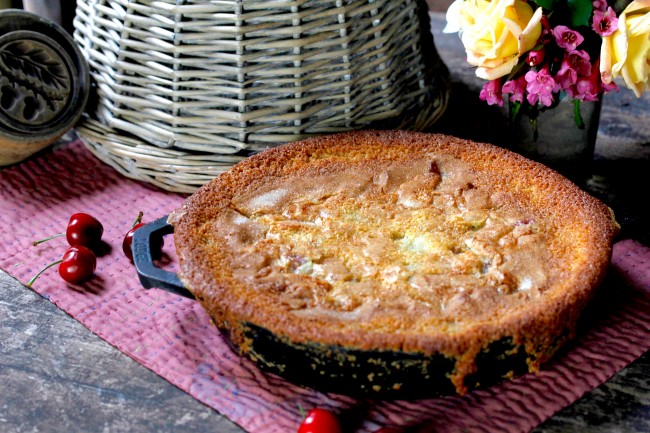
<point>577,118</point>
<point>41,271</point>
<point>47,239</point>
<point>533,124</point>
<point>514,111</point>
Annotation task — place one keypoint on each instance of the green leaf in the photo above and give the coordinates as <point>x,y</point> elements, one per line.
<point>546,4</point>
<point>581,11</point>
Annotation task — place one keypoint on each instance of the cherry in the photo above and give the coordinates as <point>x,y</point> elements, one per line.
<point>156,244</point>
<point>320,421</point>
<point>83,229</point>
<point>77,265</point>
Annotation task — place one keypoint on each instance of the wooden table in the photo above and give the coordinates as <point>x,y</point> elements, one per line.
<point>56,376</point>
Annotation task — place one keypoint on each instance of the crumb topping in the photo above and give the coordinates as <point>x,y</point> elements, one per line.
<point>426,240</point>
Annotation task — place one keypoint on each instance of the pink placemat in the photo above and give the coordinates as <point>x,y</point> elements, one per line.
<point>174,337</point>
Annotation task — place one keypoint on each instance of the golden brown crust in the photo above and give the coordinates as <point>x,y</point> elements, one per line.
<point>578,232</point>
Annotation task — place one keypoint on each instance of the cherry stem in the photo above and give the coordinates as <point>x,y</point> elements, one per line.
<point>47,239</point>
<point>302,411</point>
<point>138,220</point>
<point>41,271</point>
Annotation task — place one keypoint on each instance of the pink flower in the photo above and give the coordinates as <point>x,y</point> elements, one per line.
<point>599,5</point>
<point>579,60</point>
<point>590,87</point>
<point>608,87</point>
<point>605,22</point>
<point>540,87</point>
<point>574,64</point>
<point>515,88</point>
<point>491,93</point>
<point>566,76</point>
<point>567,38</point>
<point>585,90</point>
<point>535,57</point>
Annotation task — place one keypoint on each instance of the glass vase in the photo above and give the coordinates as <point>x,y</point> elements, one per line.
<point>555,140</point>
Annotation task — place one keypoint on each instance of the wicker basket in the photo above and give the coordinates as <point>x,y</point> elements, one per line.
<point>186,88</point>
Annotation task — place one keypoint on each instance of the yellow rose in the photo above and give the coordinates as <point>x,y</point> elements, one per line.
<point>626,52</point>
<point>495,33</point>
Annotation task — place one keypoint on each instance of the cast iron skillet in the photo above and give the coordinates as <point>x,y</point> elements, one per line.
<point>150,275</point>
<point>332,368</point>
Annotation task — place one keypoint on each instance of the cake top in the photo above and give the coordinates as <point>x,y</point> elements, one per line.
<point>390,240</point>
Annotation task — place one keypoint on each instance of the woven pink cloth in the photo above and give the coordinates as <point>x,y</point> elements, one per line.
<point>173,336</point>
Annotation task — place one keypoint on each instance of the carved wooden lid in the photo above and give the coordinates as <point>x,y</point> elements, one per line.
<point>44,79</point>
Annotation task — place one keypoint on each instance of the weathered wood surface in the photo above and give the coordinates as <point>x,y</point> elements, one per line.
<point>56,376</point>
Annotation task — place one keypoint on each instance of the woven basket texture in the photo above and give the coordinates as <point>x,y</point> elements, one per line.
<point>183,89</point>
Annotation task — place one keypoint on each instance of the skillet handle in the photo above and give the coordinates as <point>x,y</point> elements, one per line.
<point>150,275</point>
